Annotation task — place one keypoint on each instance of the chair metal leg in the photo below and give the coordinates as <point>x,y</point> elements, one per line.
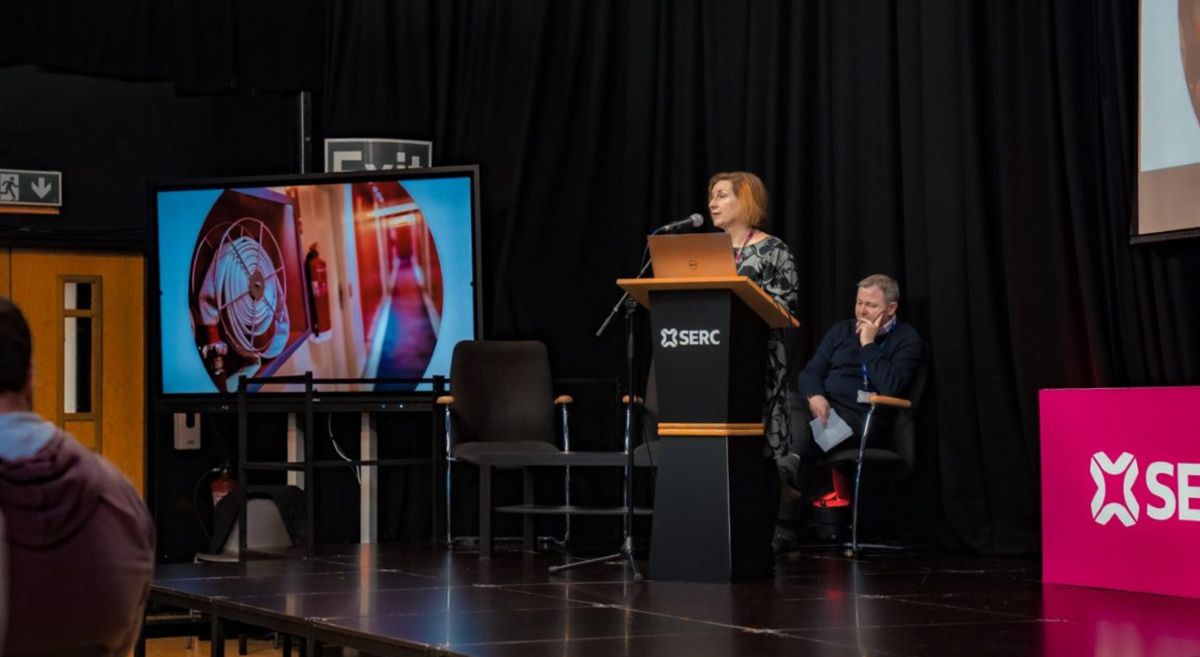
<point>567,517</point>
<point>566,433</point>
<point>527,519</point>
<point>485,510</point>
<point>449,505</point>
<point>449,467</point>
<point>862,450</point>
<point>626,550</point>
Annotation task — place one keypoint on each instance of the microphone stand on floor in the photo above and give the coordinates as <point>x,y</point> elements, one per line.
<point>632,428</point>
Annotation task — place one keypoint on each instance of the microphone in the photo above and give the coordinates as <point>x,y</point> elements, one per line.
<point>694,221</point>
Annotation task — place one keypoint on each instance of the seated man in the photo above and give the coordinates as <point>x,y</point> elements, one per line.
<point>80,541</point>
<point>875,352</point>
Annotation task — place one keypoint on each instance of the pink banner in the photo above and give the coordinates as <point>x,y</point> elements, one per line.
<point>1121,489</point>
<point>1114,623</point>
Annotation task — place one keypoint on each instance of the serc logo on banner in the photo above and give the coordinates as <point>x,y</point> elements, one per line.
<point>1170,499</point>
<point>1101,512</point>
<point>672,338</point>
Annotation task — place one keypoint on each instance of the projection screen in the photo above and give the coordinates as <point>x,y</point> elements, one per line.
<point>1169,121</point>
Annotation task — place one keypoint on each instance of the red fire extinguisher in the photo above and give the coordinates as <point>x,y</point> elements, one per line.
<point>221,485</point>
<point>318,290</point>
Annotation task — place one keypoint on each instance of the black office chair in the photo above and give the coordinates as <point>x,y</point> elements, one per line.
<point>891,462</point>
<point>501,414</point>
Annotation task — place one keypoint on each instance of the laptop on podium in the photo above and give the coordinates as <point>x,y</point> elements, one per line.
<point>693,255</point>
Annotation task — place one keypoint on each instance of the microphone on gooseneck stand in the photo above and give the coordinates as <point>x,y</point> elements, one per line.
<point>694,221</point>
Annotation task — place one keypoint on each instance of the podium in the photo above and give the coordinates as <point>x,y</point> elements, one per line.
<point>711,519</point>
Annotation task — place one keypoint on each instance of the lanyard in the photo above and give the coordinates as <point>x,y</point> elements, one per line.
<point>737,257</point>
<point>866,384</point>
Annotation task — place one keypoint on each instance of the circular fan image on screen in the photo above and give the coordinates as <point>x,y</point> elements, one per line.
<point>1189,49</point>
<point>239,295</point>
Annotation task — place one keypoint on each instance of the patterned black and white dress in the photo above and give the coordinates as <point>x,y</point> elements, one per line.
<point>770,263</point>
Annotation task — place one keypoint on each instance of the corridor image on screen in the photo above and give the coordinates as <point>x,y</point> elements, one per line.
<point>370,279</point>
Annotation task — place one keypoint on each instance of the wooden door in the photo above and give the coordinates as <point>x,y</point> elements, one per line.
<point>86,312</point>
<point>5,261</point>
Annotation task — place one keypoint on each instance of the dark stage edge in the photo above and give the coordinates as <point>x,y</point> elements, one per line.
<point>419,600</point>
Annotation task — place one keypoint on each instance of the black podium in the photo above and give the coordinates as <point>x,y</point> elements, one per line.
<point>711,506</point>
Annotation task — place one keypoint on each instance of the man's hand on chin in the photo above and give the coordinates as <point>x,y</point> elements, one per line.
<point>867,330</point>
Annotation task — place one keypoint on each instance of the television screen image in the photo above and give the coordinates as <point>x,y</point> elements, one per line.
<point>1169,121</point>
<point>362,276</point>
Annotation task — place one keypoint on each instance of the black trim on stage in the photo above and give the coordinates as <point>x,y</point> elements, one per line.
<point>400,600</point>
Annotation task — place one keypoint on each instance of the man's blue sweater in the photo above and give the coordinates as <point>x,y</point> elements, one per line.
<point>836,369</point>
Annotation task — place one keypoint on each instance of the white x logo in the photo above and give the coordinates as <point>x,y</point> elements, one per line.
<point>670,337</point>
<point>1101,465</point>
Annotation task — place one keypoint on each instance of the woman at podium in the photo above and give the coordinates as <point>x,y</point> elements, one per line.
<point>737,203</point>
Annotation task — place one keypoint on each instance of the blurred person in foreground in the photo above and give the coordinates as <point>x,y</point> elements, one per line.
<point>80,540</point>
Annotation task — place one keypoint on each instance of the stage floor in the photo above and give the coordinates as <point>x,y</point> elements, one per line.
<point>433,601</point>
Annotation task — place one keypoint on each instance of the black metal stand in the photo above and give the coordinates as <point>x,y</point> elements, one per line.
<point>310,401</point>
<point>633,427</point>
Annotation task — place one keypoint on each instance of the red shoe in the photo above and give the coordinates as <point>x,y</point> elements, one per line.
<point>839,496</point>
<point>831,503</point>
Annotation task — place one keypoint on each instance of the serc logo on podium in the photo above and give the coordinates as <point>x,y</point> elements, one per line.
<point>1181,501</point>
<point>672,338</point>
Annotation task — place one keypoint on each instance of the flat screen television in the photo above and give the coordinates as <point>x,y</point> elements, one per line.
<point>350,276</point>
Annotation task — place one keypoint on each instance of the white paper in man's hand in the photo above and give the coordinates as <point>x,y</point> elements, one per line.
<point>833,432</point>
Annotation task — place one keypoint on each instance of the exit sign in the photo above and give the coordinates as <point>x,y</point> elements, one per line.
<point>376,154</point>
<point>30,188</point>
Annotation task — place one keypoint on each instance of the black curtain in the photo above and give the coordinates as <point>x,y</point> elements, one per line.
<point>982,152</point>
<point>203,46</point>
<point>113,139</point>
